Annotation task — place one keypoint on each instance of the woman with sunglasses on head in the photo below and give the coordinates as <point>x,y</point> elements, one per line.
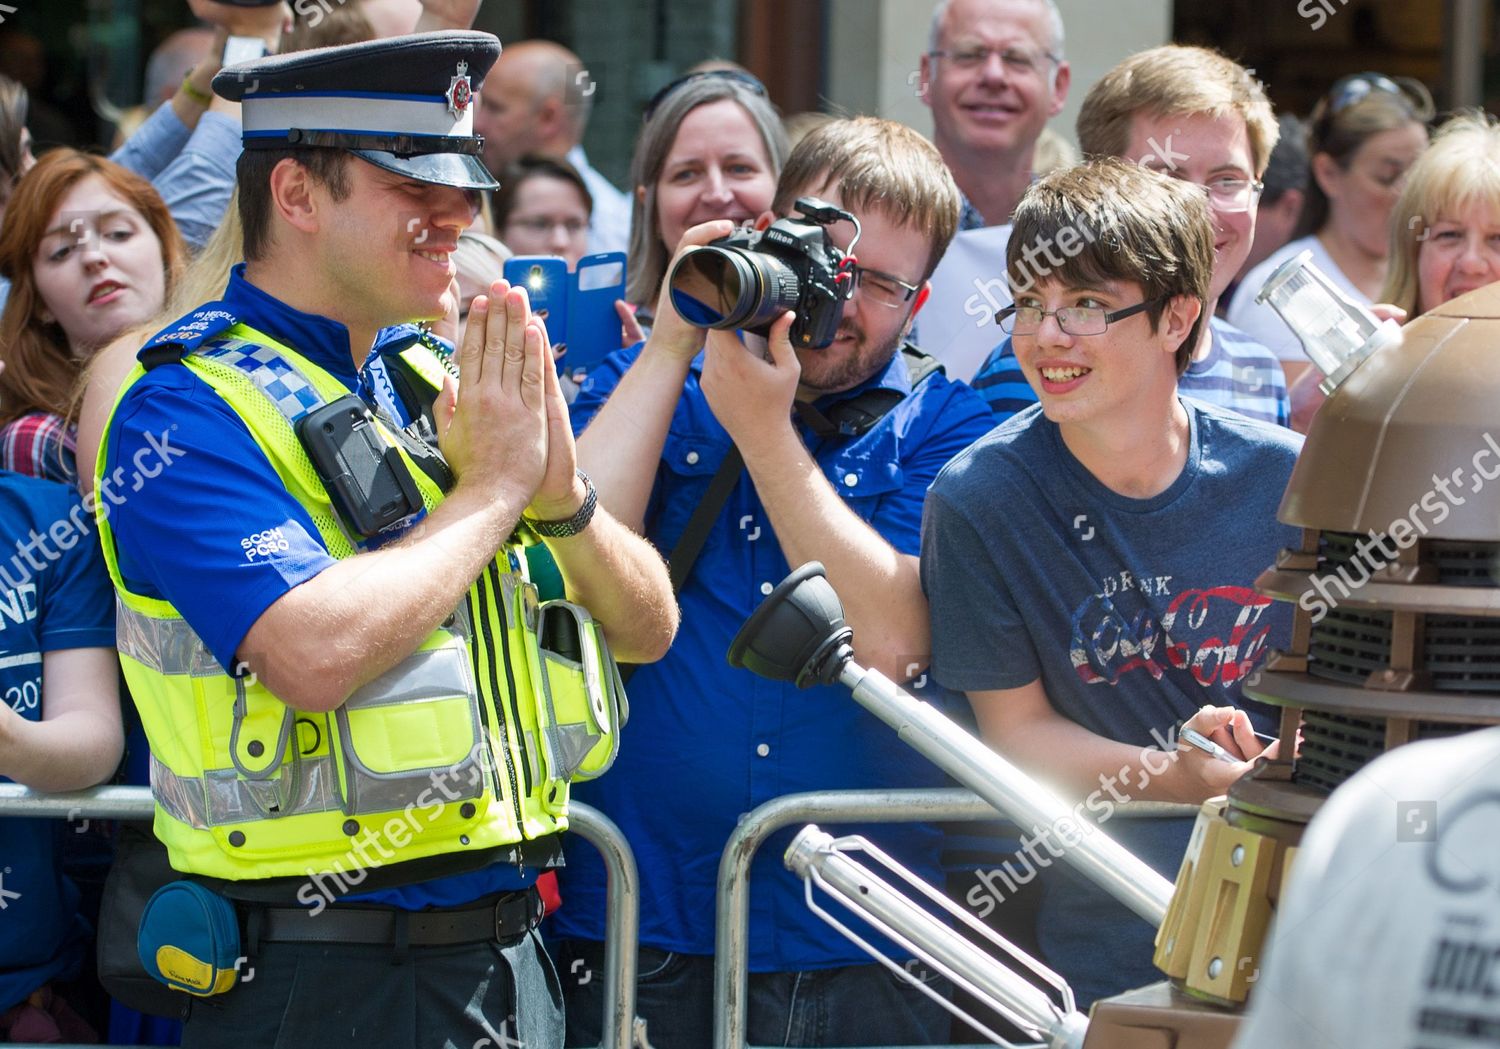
<point>1362,137</point>
<point>91,252</point>
<point>711,147</point>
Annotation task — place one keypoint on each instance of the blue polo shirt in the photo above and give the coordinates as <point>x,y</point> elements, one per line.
<point>67,602</point>
<point>707,743</point>
<point>202,520</point>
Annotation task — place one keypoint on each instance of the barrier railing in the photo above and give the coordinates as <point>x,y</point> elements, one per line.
<point>622,901</point>
<point>732,951</point>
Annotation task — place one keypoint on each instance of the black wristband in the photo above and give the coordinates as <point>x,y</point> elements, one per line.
<point>572,525</point>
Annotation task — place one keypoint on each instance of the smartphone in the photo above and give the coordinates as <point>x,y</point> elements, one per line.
<point>593,324</point>
<point>546,280</point>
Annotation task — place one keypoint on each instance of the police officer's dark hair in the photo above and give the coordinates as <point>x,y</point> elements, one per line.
<point>327,166</point>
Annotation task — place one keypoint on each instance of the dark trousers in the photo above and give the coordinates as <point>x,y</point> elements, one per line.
<point>857,1005</point>
<point>304,995</point>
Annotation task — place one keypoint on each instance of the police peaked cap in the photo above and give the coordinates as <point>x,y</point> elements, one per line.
<point>404,103</point>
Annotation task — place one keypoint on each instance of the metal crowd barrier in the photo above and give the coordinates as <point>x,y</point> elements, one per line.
<point>732,950</point>
<point>622,901</point>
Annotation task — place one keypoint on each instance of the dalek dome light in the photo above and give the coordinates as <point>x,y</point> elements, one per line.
<point>1413,434</point>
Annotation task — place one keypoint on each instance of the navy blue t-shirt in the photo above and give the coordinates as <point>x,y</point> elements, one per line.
<point>54,595</point>
<point>1133,613</point>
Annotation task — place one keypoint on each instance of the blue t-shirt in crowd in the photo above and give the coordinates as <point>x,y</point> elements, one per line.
<point>1238,373</point>
<point>1133,613</point>
<point>707,743</point>
<point>53,595</point>
<point>204,522</point>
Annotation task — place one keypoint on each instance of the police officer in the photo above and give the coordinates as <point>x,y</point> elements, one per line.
<point>359,727</point>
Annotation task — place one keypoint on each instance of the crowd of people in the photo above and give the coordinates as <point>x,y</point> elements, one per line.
<point>313,537</point>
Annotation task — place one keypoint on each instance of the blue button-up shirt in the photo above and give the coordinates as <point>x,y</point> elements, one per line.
<point>192,169</point>
<point>202,520</point>
<point>706,742</point>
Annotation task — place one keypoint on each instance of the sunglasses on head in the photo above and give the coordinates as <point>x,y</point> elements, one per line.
<point>1346,91</point>
<point>735,75</point>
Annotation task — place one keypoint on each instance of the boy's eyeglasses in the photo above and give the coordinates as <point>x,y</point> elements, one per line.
<point>1074,320</point>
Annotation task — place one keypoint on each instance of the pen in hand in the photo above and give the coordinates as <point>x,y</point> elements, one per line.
<point>1194,738</point>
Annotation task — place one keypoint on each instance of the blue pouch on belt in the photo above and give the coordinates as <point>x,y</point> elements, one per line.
<point>189,939</point>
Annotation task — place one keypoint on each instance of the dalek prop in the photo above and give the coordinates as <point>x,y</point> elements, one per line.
<point>1396,596</point>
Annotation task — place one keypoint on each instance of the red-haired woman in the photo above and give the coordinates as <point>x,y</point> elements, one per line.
<point>91,251</point>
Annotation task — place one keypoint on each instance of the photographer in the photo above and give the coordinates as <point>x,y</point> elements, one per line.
<point>838,445</point>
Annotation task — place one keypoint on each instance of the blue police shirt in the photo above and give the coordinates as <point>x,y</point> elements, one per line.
<point>47,603</point>
<point>202,520</point>
<point>706,742</point>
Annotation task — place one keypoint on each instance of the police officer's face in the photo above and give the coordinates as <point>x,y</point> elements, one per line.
<point>388,247</point>
<point>99,269</point>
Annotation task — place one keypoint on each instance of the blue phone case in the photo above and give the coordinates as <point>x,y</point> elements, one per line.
<point>593,324</point>
<point>546,280</point>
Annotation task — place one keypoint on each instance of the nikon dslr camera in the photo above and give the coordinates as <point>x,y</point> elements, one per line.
<point>749,278</point>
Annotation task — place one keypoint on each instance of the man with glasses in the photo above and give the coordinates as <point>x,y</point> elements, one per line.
<point>993,76</point>
<point>838,446</point>
<point>1195,115</point>
<point>1090,563</point>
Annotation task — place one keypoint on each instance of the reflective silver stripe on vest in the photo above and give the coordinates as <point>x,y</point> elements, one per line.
<point>171,647</point>
<point>167,646</point>
<point>223,796</point>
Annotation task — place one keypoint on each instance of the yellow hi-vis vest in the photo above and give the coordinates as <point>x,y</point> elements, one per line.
<point>466,745</point>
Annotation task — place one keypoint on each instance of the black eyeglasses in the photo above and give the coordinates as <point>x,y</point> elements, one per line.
<point>735,75</point>
<point>884,288</point>
<point>1074,320</point>
<point>1346,91</point>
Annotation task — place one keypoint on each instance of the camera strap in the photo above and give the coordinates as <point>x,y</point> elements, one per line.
<point>858,415</point>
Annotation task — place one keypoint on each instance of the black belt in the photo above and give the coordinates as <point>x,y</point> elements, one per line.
<point>507,917</point>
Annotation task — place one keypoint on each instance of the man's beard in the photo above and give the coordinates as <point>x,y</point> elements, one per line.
<point>863,362</point>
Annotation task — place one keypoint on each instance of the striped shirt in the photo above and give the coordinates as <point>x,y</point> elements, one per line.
<point>1239,374</point>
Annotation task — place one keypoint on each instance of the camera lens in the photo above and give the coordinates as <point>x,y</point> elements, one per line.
<point>732,288</point>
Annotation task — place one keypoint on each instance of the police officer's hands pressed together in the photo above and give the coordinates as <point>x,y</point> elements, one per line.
<point>363,719</point>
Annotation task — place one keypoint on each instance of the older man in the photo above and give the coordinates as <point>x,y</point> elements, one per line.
<point>993,75</point>
<point>537,100</point>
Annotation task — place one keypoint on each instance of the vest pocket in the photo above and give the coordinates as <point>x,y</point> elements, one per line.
<point>582,699</point>
<point>414,727</point>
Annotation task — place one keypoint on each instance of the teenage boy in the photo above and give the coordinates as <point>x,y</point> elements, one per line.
<point>1195,115</point>
<point>1090,562</point>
